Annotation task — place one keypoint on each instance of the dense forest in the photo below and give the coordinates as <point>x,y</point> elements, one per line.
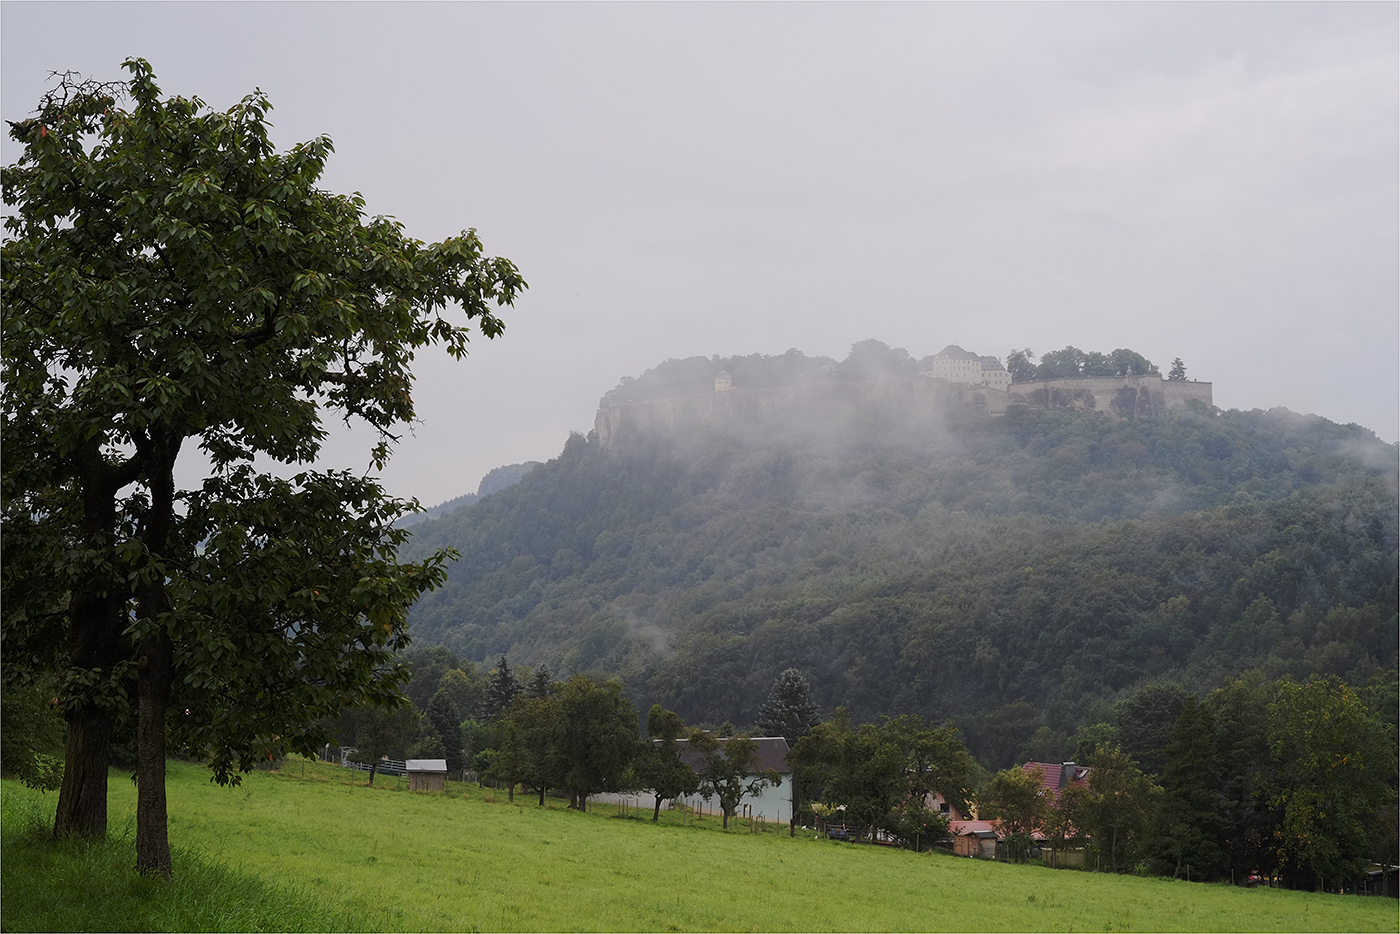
<point>1025,577</point>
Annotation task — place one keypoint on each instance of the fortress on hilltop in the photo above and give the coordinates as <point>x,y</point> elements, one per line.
<point>951,378</point>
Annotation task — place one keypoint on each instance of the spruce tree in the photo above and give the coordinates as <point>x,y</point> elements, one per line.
<point>541,683</point>
<point>502,687</point>
<point>789,711</point>
<point>446,720</point>
<point>1189,821</point>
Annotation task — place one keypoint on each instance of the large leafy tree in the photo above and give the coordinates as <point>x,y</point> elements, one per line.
<point>1118,806</point>
<point>731,771</point>
<point>171,281</point>
<point>599,742</point>
<point>1016,799</point>
<point>374,732</point>
<point>660,766</point>
<point>1335,767</point>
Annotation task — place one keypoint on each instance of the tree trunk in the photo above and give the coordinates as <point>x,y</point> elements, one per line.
<point>152,838</point>
<point>373,767</point>
<point>656,814</point>
<point>154,660</point>
<point>95,625</point>
<point>725,812</point>
<point>542,796</point>
<point>82,798</point>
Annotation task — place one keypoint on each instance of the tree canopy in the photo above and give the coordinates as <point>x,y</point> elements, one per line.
<point>171,282</point>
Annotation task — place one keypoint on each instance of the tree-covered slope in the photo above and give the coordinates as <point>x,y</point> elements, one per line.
<point>945,566</point>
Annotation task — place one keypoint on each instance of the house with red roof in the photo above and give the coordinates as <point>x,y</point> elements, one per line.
<point>979,838</point>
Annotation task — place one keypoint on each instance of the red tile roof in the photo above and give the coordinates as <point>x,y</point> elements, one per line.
<point>1059,775</point>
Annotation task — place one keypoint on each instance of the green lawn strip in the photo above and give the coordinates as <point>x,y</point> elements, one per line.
<point>66,886</point>
<point>384,858</point>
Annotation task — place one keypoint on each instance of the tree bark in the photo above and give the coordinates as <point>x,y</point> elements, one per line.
<point>82,798</point>
<point>95,625</point>
<point>154,659</point>
<point>152,836</point>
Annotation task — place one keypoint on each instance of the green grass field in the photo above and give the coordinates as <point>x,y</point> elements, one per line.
<point>312,848</point>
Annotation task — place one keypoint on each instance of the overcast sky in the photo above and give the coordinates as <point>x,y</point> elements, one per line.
<point>1211,181</point>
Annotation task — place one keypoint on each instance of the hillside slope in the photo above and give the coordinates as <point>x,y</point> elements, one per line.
<point>945,565</point>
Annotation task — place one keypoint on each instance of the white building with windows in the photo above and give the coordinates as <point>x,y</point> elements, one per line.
<point>963,367</point>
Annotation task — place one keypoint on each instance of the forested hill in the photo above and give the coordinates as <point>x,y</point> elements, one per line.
<point>1016,574</point>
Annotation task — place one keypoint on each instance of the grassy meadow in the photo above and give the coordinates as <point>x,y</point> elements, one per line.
<point>310,847</point>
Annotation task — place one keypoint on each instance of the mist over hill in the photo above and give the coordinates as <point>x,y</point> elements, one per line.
<point>1016,574</point>
<point>496,479</point>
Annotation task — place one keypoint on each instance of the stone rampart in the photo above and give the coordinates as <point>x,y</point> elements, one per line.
<point>1126,396</point>
<point>705,408</point>
<point>1133,397</point>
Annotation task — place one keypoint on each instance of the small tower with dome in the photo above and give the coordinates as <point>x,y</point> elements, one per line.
<point>723,381</point>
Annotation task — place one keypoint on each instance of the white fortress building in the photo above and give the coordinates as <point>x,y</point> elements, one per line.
<point>963,367</point>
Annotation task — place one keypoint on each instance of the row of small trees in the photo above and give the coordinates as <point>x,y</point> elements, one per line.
<point>578,737</point>
<point>1073,362</point>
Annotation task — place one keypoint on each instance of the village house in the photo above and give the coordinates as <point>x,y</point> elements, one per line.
<point>771,804</point>
<point>980,838</point>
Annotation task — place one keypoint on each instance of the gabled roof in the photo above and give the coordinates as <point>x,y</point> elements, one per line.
<point>425,765</point>
<point>956,352</point>
<point>982,829</point>
<point>772,754</point>
<point>1059,775</point>
<point>985,829</point>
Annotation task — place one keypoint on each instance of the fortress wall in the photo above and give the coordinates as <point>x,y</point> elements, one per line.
<point>1131,397</point>
<point>914,395</point>
<point>1128,396</point>
<point>1180,391</point>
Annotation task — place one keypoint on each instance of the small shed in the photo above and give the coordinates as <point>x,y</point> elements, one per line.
<point>426,774</point>
<point>975,838</point>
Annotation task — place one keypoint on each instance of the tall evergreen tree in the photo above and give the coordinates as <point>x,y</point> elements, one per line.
<point>445,719</point>
<point>1251,823</point>
<point>541,683</point>
<point>789,711</point>
<point>1188,823</point>
<point>502,687</point>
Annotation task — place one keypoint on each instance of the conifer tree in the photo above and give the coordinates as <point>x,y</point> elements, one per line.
<point>502,687</point>
<point>1188,822</point>
<point>789,711</point>
<point>444,718</point>
<point>541,683</point>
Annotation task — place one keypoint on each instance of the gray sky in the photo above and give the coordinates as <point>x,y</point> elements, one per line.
<point>1211,181</point>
